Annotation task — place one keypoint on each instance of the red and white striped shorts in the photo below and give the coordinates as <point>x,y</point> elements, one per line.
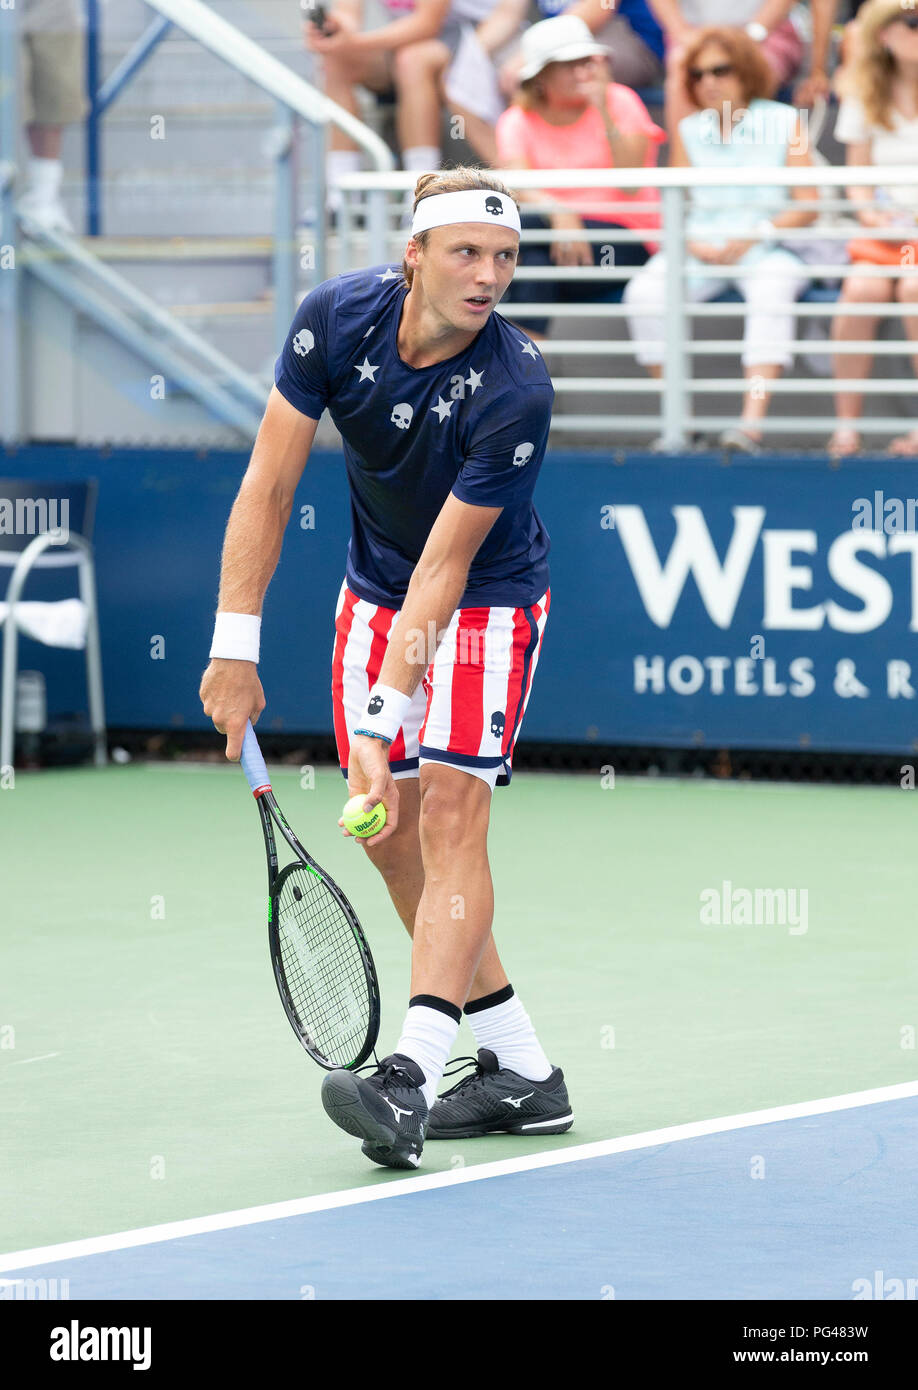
<point>469,708</point>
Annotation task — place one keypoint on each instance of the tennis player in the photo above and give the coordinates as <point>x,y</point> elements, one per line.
<point>444,410</point>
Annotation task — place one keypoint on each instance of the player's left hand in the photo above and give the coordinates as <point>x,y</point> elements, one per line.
<point>368,766</point>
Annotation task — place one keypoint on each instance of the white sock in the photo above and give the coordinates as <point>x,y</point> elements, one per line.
<point>338,162</point>
<point>427,1038</point>
<point>507,1030</point>
<point>45,177</point>
<point>421,159</point>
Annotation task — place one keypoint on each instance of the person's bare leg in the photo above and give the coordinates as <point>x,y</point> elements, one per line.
<point>45,141</point>
<point>456,910</point>
<point>401,865</point>
<point>756,399</point>
<point>478,132</point>
<point>907,293</point>
<point>417,68</point>
<point>342,77</point>
<point>848,328</point>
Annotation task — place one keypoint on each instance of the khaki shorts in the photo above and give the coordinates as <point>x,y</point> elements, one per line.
<point>53,78</point>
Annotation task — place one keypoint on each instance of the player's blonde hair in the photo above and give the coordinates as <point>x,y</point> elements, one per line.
<point>462,179</point>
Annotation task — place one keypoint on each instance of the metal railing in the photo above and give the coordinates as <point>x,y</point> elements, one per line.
<point>10,373</point>
<point>75,273</point>
<point>676,420</point>
<point>293,95</point>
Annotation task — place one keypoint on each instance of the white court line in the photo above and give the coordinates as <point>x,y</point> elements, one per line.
<point>301,1206</point>
<point>24,1061</point>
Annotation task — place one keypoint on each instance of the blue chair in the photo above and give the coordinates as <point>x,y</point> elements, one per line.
<point>48,526</point>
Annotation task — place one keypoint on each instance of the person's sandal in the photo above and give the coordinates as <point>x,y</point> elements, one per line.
<point>740,441</point>
<point>844,442</point>
<point>906,446</point>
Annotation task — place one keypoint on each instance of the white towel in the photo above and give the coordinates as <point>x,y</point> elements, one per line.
<point>60,624</point>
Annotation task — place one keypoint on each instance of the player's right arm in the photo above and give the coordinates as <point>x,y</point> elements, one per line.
<point>231,691</point>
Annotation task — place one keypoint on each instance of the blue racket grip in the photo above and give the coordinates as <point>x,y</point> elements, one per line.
<point>253,764</point>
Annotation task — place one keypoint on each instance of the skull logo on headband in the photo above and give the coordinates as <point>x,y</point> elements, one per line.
<point>467,205</point>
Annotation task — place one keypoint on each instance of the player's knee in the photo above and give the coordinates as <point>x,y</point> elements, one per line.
<point>454,812</point>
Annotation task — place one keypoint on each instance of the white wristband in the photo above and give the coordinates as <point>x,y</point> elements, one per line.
<point>384,711</point>
<point>236,637</point>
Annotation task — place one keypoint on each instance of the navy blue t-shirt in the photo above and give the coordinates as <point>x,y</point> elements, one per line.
<point>475,425</point>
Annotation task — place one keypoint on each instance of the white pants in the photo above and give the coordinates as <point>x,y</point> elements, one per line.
<point>770,293</point>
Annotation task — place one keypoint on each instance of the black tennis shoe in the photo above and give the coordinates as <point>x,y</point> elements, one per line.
<point>386,1110</point>
<point>493,1100</point>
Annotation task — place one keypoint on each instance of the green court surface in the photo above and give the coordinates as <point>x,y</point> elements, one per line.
<point>148,1073</point>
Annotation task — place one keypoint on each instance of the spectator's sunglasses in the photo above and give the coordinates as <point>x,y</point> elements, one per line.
<point>909,20</point>
<point>718,70</point>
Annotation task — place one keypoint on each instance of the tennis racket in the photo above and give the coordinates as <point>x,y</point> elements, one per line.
<point>322,964</point>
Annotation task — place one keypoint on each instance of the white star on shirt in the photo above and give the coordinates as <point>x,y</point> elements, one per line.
<point>366,369</point>
<point>443,408</point>
<point>529,349</point>
<point>390,274</point>
<point>473,380</point>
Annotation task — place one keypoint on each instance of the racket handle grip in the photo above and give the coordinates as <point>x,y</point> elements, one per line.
<point>253,764</point>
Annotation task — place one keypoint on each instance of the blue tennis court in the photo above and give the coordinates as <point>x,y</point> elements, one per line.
<point>808,1202</point>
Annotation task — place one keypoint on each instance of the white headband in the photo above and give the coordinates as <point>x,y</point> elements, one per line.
<point>470,205</point>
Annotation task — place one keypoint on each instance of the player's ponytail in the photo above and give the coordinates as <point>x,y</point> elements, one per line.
<point>459,180</point>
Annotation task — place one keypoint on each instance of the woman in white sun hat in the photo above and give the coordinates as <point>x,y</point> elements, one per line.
<point>569,114</point>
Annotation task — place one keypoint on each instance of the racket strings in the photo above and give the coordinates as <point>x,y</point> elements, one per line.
<point>323,966</point>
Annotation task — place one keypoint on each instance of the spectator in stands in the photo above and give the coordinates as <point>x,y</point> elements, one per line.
<point>767,23</point>
<point>819,82</point>
<point>626,26</point>
<point>734,126</point>
<point>570,115</point>
<point>53,96</point>
<point>816,85</point>
<point>430,42</point>
<point>878,122</point>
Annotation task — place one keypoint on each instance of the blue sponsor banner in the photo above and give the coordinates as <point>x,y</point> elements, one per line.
<point>768,603</point>
<point>771,603</point>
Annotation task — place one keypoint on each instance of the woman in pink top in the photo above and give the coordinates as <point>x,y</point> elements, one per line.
<point>569,115</point>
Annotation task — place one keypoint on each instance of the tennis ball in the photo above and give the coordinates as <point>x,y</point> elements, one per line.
<point>360,822</point>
